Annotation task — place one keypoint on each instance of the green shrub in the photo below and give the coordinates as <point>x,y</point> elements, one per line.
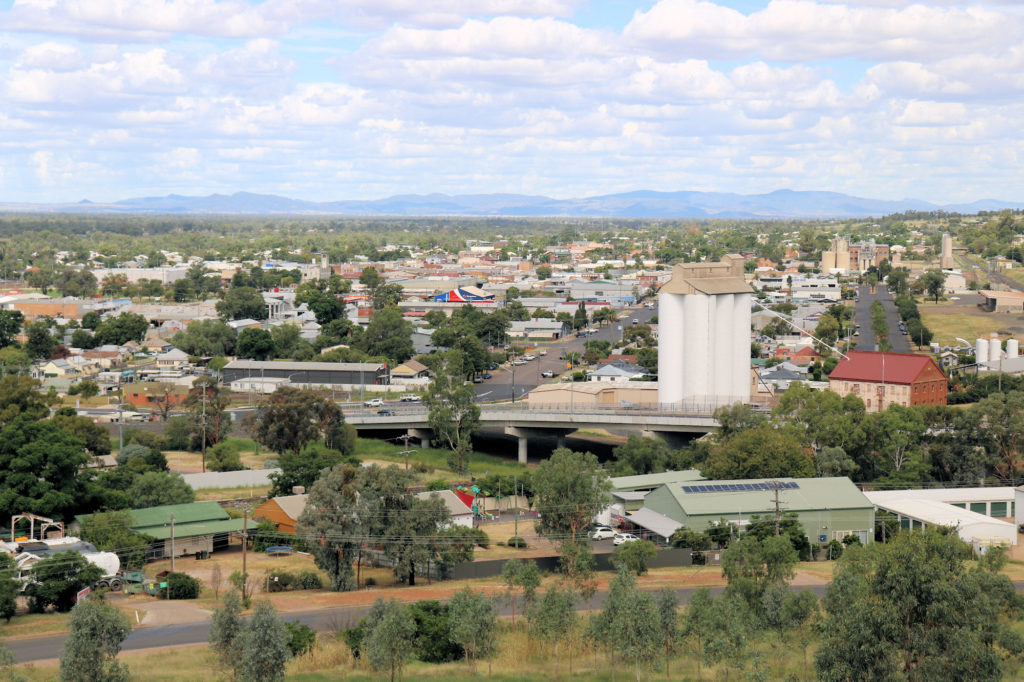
<point>223,457</point>
<point>301,638</point>
<point>517,542</point>
<point>265,535</point>
<point>370,582</point>
<point>421,467</point>
<point>182,586</point>
<point>308,580</point>
<point>438,484</point>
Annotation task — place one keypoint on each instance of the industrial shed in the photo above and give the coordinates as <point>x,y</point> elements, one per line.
<point>974,528</point>
<point>198,527</point>
<point>996,501</point>
<point>828,508</point>
<point>308,373</point>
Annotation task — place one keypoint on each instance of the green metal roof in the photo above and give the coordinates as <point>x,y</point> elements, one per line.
<point>811,494</point>
<point>651,481</point>
<point>193,512</point>
<point>189,530</point>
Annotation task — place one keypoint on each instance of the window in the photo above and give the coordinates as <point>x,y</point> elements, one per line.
<point>978,507</point>
<point>998,509</point>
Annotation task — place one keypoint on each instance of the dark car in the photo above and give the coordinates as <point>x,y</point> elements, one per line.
<point>386,412</point>
<point>487,375</point>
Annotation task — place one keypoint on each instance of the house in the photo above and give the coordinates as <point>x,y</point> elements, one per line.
<point>153,394</point>
<point>284,511</point>
<point>882,379</point>
<point>172,359</point>
<point>59,369</point>
<point>410,370</point>
<point>617,371</point>
<point>827,508</point>
<point>197,527</point>
<point>461,513</point>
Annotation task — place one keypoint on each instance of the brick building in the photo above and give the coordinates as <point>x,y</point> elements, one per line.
<point>883,379</point>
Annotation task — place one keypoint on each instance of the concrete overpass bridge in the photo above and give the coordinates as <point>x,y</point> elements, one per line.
<point>524,421</point>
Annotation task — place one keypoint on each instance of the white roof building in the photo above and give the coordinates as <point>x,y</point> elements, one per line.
<point>966,509</point>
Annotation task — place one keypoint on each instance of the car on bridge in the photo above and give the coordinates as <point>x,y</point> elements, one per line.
<point>410,398</point>
<point>385,412</point>
<point>373,402</point>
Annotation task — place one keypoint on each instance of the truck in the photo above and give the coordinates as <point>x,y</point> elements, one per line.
<point>27,552</point>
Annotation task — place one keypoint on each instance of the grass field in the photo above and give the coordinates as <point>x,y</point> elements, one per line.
<point>947,322</point>
<point>436,459</point>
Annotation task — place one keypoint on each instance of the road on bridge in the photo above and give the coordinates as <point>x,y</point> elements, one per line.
<point>899,342</point>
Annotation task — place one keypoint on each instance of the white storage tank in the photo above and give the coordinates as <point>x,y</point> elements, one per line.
<point>1012,348</point>
<point>995,350</point>
<point>980,350</point>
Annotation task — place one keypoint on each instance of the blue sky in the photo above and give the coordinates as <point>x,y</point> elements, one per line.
<point>349,99</point>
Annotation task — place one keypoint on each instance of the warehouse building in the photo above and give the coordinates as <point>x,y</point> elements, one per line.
<point>828,508</point>
<point>312,374</point>
<point>976,513</point>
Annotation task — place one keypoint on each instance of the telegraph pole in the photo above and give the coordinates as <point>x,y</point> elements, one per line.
<point>778,507</point>
<point>172,543</point>
<point>245,539</point>
<point>406,450</point>
<point>204,428</point>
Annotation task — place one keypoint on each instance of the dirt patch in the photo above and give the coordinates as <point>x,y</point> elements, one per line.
<point>171,613</point>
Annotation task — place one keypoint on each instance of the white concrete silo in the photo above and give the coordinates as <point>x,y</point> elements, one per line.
<point>995,350</point>
<point>704,335</point>
<point>1012,348</point>
<point>980,350</point>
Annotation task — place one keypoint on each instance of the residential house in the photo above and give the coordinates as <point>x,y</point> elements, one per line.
<point>617,371</point>
<point>410,370</point>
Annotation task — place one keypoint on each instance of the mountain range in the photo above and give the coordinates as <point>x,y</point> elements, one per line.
<point>640,204</point>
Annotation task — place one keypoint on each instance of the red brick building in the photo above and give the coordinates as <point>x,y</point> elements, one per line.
<point>883,379</point>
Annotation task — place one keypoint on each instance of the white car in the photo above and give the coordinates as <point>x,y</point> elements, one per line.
<point>410,398</point>
<point>621,538</point>
<point>603,533</point>
<point>374,402</point>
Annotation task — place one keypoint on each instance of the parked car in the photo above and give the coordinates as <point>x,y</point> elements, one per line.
<point>487,375</point>
<point>620,538</point>
<point>374,402</point>
<point>386,412</point>
<point>478,379</point>
<point>517,362</point>
<point>547,374</point>
<point>636,321</point>
<point>529,357</point>
<point>603,533</point>
<point>542,351</point>
<point>410,398</point>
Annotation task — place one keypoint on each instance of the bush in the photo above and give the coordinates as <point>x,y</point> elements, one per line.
<point>177,433</point>
<point>130,452</point>
<point>301,638</point>
<point>482,539</point>
<point>265,535</point>
<point>370,582</point>
<point>438,485</point>
<point>286,581</point>
<point>223,457</point>
<point>517,542</point>
<point>153,441</point>
<point>433,633</point>
<point>182,586</point>
<point>421,467</point>
<point>308,580</point>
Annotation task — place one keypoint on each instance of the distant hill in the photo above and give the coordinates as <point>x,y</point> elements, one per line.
<point>640,204</point>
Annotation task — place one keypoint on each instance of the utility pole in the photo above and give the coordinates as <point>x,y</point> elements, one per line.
<point>515,510</point>
<point>204,428</point>
<point>172,543</point>
<point>245,539</point>
<point>120,411</point>
<point>778,507</point>
<point>406,450</point>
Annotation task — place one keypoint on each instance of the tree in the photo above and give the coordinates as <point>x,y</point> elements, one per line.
<point>8,588</point>
<point>255,344</point>
<point>909,609</point>
<point>225,626</point>
<point>553,619</point>
<point>669,635</point>
<point>579,318</point>
<point>78,283</point>
<point>639,455</point>
<point>473,619</point>
<point>208,415</point>
<point>288,343</point>
<point>157,488</point>
<point>40,279</point>
<point>39,343</point>
<point>762,452</point>
<point>454,414</point>
<point>330,525</point>
<point>1001,418</point>
<point>263,646</point>
<point>292,417</point>
<point>242,303</point>
<point>388,335</point>
<point>370,278</point>
<point>934,282</point>
<point>387,295</point>
<point>303,468</point>
<point>544,272</point>
<point>40,465</point>
<point>718,627</point>
<point>122,329</point>
<point>633,556</point>
<point>111,531</point>
<point>10,326</point>
<point>96,630</point>
<point>224,457</point>
<point>751,565</point>
<point>389,643</point>
<point>525,575</point>
<point>58,578</point>
<point>206,338</point>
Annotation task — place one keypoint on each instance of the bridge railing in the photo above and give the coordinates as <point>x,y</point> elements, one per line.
<point>688,409</point>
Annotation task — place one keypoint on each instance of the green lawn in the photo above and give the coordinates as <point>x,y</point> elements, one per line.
<point>437,459</point>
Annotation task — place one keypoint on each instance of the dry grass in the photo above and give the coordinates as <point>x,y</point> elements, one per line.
<point>242,493</point>
<point>947,322</point>
<point>34,624</point>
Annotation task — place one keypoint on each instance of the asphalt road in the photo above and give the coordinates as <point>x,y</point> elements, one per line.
<point>522,379</point>
<point>899,342</point>
<point>47,647</point>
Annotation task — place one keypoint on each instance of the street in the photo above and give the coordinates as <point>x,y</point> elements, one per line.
<point>866,340</point>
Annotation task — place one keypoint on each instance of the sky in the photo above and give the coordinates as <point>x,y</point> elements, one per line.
<point>363,99</point>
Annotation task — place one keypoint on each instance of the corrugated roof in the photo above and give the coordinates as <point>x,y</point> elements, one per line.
<point>810,494</point>
<point>942,514</point>
<point>651,481</point>
<point>292,505</point>
<point>456,507</point>
<point>299,366</point>
<point>654,522</point>
<point>948,495</point>
<point>194,512</point>
<point>878,367</point>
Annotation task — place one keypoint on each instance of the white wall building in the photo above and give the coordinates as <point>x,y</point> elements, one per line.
<point>704,347</point>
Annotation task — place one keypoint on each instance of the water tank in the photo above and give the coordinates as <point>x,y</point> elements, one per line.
<point>1012,348</point>
<point>995,350</point>
<point>981,350</point>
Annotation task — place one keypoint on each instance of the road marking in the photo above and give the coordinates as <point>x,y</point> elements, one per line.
<point>483,394</point>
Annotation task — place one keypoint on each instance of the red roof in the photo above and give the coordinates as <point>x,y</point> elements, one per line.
<point>873,366</point>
